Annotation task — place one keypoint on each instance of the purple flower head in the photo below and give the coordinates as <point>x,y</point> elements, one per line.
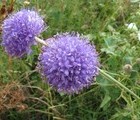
<point>69,63</point>
<point>19,31</point>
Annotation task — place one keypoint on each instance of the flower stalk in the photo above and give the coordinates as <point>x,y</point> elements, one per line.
<point>41,41</point>
<point>118,83</point>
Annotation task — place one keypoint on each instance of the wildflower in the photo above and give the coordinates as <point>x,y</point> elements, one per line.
<point>69,63</point>
<point>19,31</point>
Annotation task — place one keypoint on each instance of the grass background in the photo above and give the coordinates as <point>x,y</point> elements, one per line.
<point>104,22</point>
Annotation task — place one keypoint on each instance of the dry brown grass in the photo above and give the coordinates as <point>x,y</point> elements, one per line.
<point>12,96</point>
<point>5,9</point>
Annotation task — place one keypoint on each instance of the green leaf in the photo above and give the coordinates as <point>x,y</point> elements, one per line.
<point>106,99</point>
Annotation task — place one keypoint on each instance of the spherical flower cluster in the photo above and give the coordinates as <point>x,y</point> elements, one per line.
<point>69,63</point>
<point>19,31</point>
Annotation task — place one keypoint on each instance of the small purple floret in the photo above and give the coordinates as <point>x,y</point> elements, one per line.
<point>69,63</point>
<point>19,31</point>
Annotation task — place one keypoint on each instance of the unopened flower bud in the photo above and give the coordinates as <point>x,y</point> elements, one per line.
<point>127,68</point>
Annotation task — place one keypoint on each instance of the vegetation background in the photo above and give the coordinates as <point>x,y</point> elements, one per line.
<point>113,26</point>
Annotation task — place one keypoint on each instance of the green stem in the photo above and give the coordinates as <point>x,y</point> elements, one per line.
<point>118,83</point>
